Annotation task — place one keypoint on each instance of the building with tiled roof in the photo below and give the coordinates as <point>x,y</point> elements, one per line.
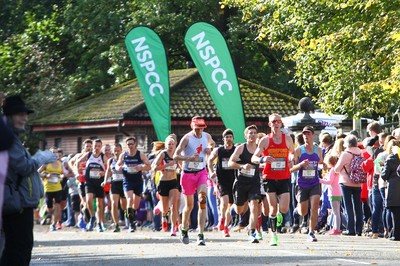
<point>119,111</point>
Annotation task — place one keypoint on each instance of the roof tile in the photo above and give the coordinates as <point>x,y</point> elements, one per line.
<point>188,97</point>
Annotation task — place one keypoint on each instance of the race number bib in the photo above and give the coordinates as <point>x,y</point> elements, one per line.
<point>278,164</point>
<point>248,173</point>
<point>131,169</point>
<point>225,164</point>
<point>54,179</point>
<point>94,174</point>
<point>117,177</point>
<point>199,165</point>
<point>171,168</point>
<point>309,173</point>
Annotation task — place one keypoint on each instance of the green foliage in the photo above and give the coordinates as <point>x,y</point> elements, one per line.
<point>31,66</point>
<point>346,52</point>
<point>56,51</point>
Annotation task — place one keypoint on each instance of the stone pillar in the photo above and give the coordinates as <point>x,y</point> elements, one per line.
<point>306,106</point>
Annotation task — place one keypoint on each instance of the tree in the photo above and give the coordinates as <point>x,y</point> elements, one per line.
<point>69,49</point>
<point>346,52</point>
<point>31,64</point>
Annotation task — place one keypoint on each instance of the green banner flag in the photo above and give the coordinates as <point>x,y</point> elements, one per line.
<point>210,53</point>
<point>149,61</point>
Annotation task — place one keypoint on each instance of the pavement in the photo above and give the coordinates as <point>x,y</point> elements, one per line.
<point>71,246</point>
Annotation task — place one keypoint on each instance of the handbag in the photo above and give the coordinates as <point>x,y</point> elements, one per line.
<point>12,203</point>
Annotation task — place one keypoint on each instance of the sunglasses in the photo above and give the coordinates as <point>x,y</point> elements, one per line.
<point>276,121</point>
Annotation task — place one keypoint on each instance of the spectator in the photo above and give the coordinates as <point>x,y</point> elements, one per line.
<point>23,176</point>
<point>351,192</point>
<point>391,173</point>
<point>6,141</point>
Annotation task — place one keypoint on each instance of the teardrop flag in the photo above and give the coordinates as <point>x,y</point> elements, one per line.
<point>149,61</point>
<point>210,53</point>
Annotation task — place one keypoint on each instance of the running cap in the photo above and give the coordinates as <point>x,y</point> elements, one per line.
<point>198,122</point>
<point>308,129</point>
<point>227,131</point>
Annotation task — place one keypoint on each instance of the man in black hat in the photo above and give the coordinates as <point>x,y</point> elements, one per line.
<point>24,180</point>
<point>6,141</point>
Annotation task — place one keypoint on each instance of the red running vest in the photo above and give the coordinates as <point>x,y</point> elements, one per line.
<point>278,169</point>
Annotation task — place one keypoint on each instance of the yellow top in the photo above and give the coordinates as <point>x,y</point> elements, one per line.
<point>53,183</point>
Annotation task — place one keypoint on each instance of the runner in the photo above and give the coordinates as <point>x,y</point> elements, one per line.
<point>115,178</point>
<point>107,186</point>
<point>51,175</point>
<point>79,170</point>
<point>223,176</point>
<point>247,183</point>
<point>192,150</point>
<point>132,162</point>
<point>273,150</point>
<point>94,175</point>
<point>306,159</point>
<point>168,187</point>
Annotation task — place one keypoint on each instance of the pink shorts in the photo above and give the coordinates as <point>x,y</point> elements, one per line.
<point>191,181</point>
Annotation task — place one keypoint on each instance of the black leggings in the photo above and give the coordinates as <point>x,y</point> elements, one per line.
<point>396,221</point>
<point>18,230</point>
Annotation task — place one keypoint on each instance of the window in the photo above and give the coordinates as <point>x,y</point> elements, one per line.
<point>58,142</point>
<point>119,139</point>
<point>79,144</point>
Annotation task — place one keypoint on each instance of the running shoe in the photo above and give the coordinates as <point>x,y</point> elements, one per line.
<point>183,235</point>
<point>334,232</point>
<point>252,238</point>
<point>200,240</point>
<point>294,229</point>
<point>132,227</point>
<point>117,229</point>
<point>375,236</point>
<point>81,223</point>
<point>100,228</point>
<point>279,219</point>
<point>90,225</point>
<point>304,229</point>
<point>59,226</point>
<point>274,241</point>
<point>173,231</point>
<point>311,237</point>
<point>226,232</point>
<point>165,226</point>
<point>259,235</point>
<point>53,227</point>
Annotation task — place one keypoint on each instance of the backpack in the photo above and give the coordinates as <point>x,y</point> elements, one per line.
<point>356,174</point>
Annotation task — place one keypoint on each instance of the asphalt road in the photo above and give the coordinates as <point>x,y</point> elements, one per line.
<point>145,247</point>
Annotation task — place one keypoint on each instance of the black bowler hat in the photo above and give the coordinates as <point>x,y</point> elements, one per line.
<point>14,104</point>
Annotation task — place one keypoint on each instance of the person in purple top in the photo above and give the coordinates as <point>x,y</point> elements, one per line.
<point>306,159</point>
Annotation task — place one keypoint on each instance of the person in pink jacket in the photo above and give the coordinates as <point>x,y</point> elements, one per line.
<point>334,193</point>
<point>351,192</point>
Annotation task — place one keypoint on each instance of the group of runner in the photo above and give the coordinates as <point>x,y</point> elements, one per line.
<point>246,176</point>
<point>236,172</point>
